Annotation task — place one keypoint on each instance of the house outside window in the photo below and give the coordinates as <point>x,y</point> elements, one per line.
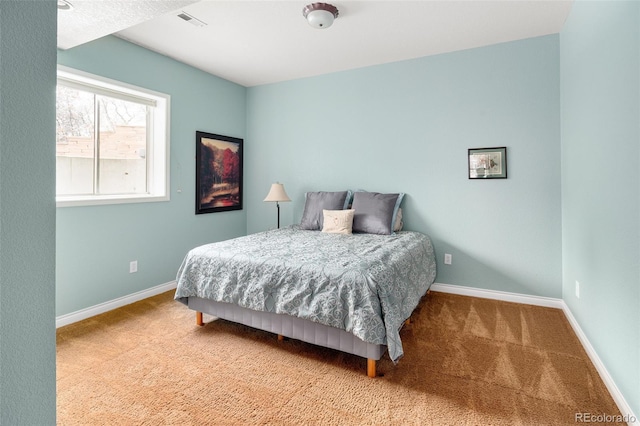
<point>112,141</point>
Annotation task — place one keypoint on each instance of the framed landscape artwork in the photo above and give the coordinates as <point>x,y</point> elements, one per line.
<point>218,173</point>
<point>488,163</point>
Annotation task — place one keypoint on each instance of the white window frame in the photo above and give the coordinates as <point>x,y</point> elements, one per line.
<point>158,153</point>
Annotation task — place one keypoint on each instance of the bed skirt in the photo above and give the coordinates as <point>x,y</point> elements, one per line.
<point>288,326</point>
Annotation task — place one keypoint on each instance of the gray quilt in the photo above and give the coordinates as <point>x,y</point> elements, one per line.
<point>365,284</point>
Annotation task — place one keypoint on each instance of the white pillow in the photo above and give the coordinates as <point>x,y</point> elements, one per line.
<point>338,221</point>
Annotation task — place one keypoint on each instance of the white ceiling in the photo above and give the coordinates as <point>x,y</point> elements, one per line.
<point>91,19</point>
<point>259,42</point>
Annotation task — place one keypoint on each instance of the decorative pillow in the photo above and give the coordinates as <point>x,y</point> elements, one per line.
<point>338,221</point>
<point>375,213</point>
<point>315,202</point>
<point>350,198</point>
<point>398,224</point>
<point>397,208</point>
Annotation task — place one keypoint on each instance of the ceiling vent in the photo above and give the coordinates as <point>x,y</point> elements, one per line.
<point>191,19</point>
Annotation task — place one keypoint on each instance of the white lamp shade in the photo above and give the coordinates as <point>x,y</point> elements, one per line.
<point>320,19</point>
<point>277,193</point>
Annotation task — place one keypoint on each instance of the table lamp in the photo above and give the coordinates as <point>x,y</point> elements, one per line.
<point>277,194</point>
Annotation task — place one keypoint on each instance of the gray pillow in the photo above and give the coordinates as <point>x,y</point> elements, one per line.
<point>375,212</point>
<point>316,202</point>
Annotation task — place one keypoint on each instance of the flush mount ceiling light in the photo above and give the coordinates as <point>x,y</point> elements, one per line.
<point>64,5</point>
<point>320,15</point>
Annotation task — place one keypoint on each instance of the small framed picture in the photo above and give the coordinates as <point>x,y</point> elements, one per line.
<point>488,163</point>
<point>218,173</point>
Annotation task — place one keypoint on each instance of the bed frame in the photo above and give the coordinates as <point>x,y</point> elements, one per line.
<point>292,327</point>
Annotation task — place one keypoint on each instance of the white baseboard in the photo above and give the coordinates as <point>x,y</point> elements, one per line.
<point>550,302</point>
<point>547,302</point>
<point>617,396</point>
<point>91,311</point>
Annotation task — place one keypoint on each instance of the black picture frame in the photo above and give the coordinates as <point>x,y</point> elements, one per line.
<point>487,163</point>
<point>218,173</point>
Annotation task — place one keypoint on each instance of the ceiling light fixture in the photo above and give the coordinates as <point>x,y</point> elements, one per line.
<point>64,5</point>
<point>320,15</point>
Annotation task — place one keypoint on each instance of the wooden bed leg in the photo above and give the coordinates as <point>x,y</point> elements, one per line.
<point>371,367</point>
<point>199,320</point>
<point>280,337</point>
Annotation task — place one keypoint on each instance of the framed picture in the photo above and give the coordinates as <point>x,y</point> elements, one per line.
<point>488,163</point>
<point>218,173</point>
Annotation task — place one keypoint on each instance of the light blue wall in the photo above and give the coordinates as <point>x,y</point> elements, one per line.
<point>27,212</point>
<point>600,73</point>
<point>406,127</point>
<point>96,244</point>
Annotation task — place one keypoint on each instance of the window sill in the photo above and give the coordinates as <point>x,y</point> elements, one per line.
<point>71,201</point>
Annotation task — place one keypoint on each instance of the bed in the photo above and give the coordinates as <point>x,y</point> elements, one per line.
<point>347,292</point>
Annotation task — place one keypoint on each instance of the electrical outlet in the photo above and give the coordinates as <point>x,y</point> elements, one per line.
<point>447,259</point>
<point>133,266</point>
<point>577,289</point>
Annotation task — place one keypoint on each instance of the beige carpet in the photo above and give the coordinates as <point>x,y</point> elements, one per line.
<point>467,361</point>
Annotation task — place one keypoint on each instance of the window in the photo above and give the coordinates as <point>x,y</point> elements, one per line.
<point>112,141</point>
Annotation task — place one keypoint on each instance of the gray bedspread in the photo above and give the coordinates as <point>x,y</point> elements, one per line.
<point>365,284</point>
